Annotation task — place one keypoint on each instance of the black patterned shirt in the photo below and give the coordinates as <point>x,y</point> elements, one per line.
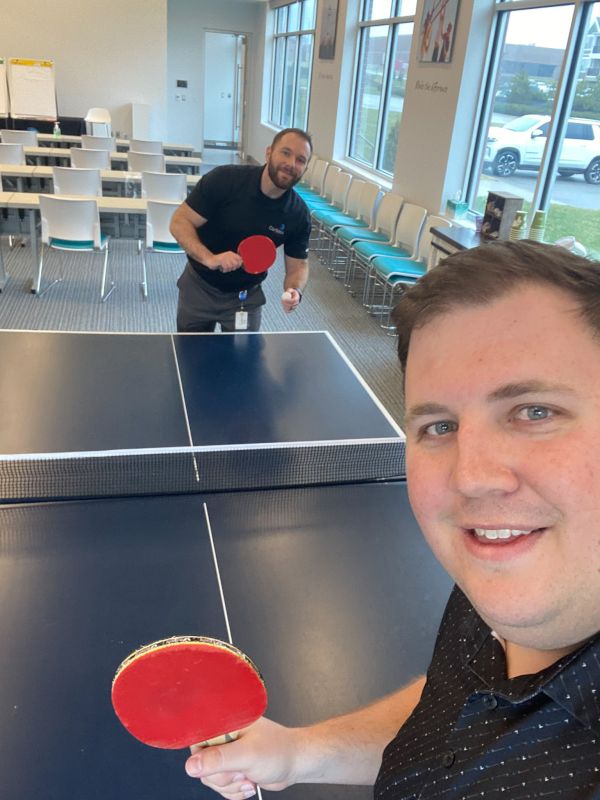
<point>477,734</point>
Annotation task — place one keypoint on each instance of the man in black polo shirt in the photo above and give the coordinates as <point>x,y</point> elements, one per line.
<point>228,204</point>
<point>500,348</point>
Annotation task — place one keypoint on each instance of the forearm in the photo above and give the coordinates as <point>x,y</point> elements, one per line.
<point>187,237</point>
<point>344,750</point>
<point>348,749</point>
<point>296,275</point>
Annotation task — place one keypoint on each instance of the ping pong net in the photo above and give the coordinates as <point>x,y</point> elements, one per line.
<point>185,470</point>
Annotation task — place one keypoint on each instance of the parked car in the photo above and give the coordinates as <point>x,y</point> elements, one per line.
<point>520,145</point>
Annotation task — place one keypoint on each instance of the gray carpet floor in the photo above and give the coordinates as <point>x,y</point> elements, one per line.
<point>74,305</point>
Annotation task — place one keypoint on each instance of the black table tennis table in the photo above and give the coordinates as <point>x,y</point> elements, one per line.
<point>330,589</point>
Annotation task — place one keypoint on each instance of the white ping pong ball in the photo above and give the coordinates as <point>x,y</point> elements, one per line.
<point>286,295</point>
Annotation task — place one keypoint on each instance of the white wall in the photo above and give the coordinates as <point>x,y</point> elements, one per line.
<point>106,53</point>
<point>440,111</point>
<point>187,22</point>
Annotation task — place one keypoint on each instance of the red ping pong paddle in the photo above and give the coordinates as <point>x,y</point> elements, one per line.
<point>258,253</point>
<point>187,690</point>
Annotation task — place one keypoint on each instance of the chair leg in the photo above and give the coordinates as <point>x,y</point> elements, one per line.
<point>104,295</point>
<point>144,283</point>
<point>37,286</point>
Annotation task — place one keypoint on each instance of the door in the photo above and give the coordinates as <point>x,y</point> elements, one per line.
<point>224,83</point>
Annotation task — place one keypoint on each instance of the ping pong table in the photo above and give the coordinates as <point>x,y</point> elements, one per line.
<point>329,588</point>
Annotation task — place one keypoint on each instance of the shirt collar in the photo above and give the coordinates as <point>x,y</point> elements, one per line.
<point>573,682</point>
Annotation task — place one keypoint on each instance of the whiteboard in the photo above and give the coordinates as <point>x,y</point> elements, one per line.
<point>3,92</point>
<point>31,88</point>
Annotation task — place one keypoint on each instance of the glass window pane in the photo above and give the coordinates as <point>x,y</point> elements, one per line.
<point>529,65</point>
<point>277,81</point>
<point>293,17</point>
<point>303,82</point>
<point>575,196</point>
<point>377,9</point>
<point>308,14</point>
<point>368,98</point>
<point>397,87</point>
<point>291,55</point>
<point>405,8</point>
<point>281,22</point>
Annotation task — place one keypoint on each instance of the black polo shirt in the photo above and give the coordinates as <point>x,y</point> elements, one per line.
<point>477,734</point>
<point>230,199</point>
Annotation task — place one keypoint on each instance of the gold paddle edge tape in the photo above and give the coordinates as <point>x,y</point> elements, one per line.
<point>162,644</point>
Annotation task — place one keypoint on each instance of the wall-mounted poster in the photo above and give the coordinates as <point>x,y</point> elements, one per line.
<point>329,12</point>
<point>438,26</point>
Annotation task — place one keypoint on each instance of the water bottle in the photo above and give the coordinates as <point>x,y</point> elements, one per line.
<point>56,130</point>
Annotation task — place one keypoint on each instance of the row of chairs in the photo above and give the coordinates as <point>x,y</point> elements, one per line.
<point>169,186</point>
<point>29,138</point>
<point>73,225</point>
<point>90,158</point>
<point>376,242</point>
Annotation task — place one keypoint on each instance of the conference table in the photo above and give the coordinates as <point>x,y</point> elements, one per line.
<point>172,163</point>
<point>321,576</point>
<point>50,140</point>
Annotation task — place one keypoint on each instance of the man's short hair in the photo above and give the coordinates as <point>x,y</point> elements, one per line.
<point>485,273</point>
<point>298,132</point>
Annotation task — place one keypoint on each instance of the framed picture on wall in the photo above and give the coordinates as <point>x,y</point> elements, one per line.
<point>436,34</point>
<point>329,12</point>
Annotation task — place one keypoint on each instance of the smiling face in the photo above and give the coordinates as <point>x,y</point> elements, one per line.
<point>503,461</point>
<point>287,160</point>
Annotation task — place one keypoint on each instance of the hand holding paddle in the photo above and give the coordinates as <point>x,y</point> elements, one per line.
<point>187,690</point>
<point>226,262</point>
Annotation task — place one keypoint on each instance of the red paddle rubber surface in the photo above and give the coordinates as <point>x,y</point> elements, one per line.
<point>181,694</point>
<point>258,254</point>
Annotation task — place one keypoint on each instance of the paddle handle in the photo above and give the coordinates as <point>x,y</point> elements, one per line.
<point>224,739</point>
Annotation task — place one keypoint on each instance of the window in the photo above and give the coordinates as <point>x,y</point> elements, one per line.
<point>292,64</point>
<point>385,31</point>
<point>541,121</point>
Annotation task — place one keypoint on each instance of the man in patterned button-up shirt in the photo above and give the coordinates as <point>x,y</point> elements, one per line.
<point>500,348</point>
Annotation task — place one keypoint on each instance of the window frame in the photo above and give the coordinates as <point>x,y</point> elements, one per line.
<point>393,23</point>
<point>563,99</point>
<point>281,43</point>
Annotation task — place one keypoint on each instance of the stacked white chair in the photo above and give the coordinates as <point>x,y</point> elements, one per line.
<point>145,162</point>
<point>26,138</point>
<point>90,159</point>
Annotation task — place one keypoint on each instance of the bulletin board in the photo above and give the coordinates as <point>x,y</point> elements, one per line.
<point>32,88</point>
<point>3,90</point>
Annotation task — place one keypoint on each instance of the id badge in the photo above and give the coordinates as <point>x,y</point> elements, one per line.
<point>241,320</point>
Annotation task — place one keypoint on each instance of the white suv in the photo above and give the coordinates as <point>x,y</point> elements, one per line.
<point>520,144</point>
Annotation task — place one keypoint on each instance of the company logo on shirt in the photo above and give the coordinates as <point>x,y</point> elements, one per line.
<point>279,231</point>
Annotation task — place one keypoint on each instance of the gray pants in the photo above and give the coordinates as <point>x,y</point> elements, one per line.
<point>201,306</point>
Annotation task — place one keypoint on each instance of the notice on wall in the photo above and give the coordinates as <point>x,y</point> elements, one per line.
<point>32,88</point>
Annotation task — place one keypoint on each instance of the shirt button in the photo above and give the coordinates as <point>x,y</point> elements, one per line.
<point>490,702</point>
<point>448,759</point>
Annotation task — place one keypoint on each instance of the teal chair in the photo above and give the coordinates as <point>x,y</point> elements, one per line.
<point>158,236</point>
<point>380,230</point>
<point>72,225</point>
<point>391,274</point>
<point>405,244</point>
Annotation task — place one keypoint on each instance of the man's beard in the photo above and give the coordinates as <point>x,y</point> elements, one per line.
<point>273,175</point>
